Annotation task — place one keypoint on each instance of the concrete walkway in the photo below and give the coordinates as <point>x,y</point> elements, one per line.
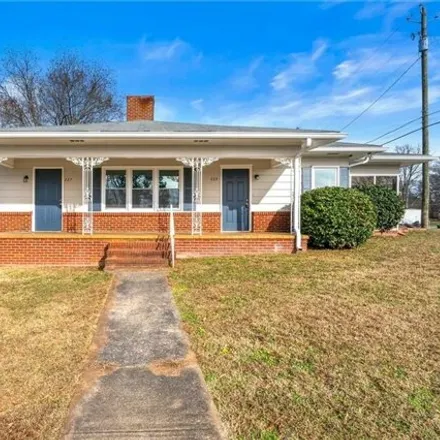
<point>144,383</point>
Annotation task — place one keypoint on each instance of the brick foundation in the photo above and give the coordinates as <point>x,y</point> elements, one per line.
<point>90,251</point>
<point>52,251</point>
<point>188,248</point>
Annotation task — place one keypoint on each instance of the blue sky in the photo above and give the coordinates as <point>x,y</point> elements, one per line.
<point>292,64</point>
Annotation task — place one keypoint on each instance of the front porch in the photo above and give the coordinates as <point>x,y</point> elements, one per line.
<point>134,249</point>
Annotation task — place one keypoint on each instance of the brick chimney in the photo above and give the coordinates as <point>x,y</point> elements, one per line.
<point>140,108</point>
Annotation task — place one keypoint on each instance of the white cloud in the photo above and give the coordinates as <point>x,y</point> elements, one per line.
<point>244,79</point>
<point>165,50</point>
<point>164,111</point>
<point>370,9</point>
<point>301,66</point>
<point>197,104</point>
<point>369,62</point>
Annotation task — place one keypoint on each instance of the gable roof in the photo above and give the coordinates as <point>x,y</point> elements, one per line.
<point>159,127</point>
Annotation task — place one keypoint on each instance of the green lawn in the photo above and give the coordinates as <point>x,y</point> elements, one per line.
<point>47,321</point>
<point>325,344</point>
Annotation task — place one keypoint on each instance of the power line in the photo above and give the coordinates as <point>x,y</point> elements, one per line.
<point>411,132</point>
<point>381,95</point>
<point>400,127</point>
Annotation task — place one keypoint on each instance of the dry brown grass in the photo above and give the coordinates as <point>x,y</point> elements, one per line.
<point>47,320</point>
<point>322,345</point>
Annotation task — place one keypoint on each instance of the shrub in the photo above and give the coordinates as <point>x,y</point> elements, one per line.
<point>337,218</point>
<point>389,206</point>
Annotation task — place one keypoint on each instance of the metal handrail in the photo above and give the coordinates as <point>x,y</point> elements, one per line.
<point>172,234</point>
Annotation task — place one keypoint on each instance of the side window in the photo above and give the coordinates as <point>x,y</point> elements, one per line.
<point>325,177</point>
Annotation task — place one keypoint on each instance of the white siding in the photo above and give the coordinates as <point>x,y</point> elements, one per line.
<point>271,192</point>
<point>17,196</point>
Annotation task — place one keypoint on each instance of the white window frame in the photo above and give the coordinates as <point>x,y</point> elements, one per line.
<point>374,176</point>
<point>336,168</point>
<point>129,188</point>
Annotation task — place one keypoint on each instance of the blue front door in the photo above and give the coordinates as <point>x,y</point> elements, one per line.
<point>48,199</point>
<point>235,203</point>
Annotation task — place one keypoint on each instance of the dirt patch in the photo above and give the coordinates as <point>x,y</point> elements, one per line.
<point>172,367</point>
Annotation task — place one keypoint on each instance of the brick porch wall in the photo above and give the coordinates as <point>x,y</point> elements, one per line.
<point>15,221</point>
<point>271,221</point>
<point>104,222</point>
<point>145,222</point>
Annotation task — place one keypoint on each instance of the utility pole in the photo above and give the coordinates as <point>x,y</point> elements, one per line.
<point>423,49</point>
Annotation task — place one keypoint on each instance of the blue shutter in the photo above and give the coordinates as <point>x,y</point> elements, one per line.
<point>187,189</point>
<point>97,189</point>
<point>344,177</point>
<point>306,179</point>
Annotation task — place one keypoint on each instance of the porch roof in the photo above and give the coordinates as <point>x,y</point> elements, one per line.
<point>161,127</point>
<point>155,139</point>
<point>401,159</point>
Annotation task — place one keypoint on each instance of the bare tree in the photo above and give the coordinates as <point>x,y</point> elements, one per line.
<point>70,91</point>
<point>19,90</point>
<point>410,176</point>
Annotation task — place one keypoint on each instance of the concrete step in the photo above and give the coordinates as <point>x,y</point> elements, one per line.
<point>144,244</point>
<point>137,254</point>
<point>149,266</point>
<point>134,252</point>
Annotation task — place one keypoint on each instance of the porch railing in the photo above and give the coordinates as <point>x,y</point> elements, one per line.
<point>172,234</point>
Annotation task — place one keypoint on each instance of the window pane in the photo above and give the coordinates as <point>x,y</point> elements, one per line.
<point>358,181</point>
<point>142,191</point>
<point>325,177</point>
<point>388,181</point>
<point>115,192</point>
<point>169,188</point>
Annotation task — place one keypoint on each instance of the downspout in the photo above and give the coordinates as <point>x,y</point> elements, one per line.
<point>307,145</point>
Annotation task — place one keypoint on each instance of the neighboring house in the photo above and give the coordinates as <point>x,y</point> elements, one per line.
<point>123,177</point>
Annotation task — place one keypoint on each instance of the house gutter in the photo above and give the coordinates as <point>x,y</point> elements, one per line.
<point>362,161</point>
<point>167,135</point>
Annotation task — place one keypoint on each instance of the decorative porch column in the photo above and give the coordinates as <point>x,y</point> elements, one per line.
<point>87,164</point>
<point>294,165</point>
<point>197,164</point>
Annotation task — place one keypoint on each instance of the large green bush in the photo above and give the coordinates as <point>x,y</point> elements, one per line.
<point>389,206</point>
<point>337,218</point>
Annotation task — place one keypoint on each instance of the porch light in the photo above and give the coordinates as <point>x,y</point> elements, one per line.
<point>257,177</point>
<point>26,179</point>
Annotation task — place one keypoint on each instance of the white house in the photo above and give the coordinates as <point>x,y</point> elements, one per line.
<point>125,177</point>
